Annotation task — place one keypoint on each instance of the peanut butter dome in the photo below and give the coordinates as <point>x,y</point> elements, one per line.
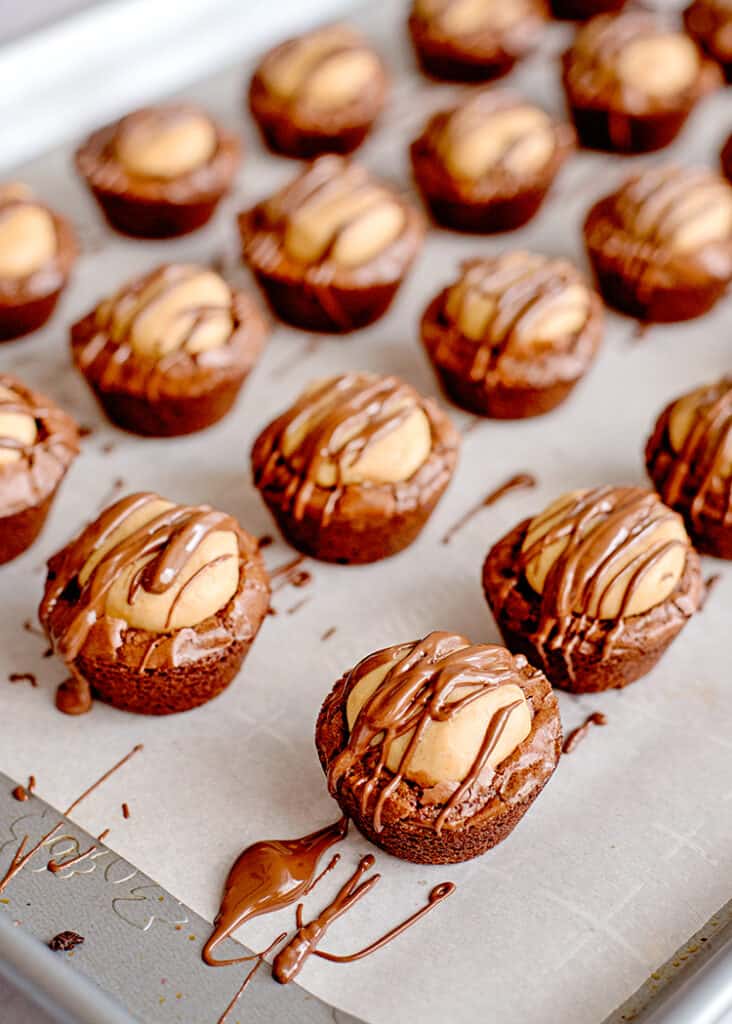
<point>37,251</point>
<point>319,92</point>
<point>155,604</point>
<point>169,352</point>
<point>632,80</point>
<point>689,459</point>
<point>474,40</point>
<point>486,164</point>
<point>332,247</point>
<point>353,469</point>
<point>596,587</point>
<point>160,171</point>
<point>513,335</point>
<point>710,23</point>
<point>436,748</point>
<point>38,443</point>
<point>661,246</point>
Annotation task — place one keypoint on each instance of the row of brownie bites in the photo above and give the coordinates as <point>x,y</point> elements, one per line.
<point>155,605</point>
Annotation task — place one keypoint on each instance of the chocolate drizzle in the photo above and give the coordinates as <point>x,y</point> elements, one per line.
<point>597,527</point>
<point>518,482</point>
<point>577,735</point>
<point>266,877</point>
<point>23,677</point>
<point>166,542</point>
<point>709,585</point>
<point>339,419</point>
<point>73,696</point>
<point>419,688</point>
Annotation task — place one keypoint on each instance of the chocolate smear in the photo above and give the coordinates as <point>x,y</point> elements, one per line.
<point>577,735</point>
<point>518,482</point>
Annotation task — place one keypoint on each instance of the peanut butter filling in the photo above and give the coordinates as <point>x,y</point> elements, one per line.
<point>465,17</point>
<point>177,308</point>
<point>18,430</point>
<point>605,553</point>
<point>696,412</point>
<point>660,65</point>
<point>325,69</point>
<point>28,239</point>
<point>165,142</point>
<point>478,138</point>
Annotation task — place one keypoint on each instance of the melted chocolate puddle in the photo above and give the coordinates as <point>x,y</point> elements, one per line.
<point>23,792</point>
<point>577,735</point>
<point>266,877</point>
<point>22,856</point>
<point>518,482</point>
<point>73,696</point>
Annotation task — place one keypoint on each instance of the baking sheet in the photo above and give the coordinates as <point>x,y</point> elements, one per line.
<point>627,851</point>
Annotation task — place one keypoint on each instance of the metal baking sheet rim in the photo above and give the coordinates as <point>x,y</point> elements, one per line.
<point>694,986</point>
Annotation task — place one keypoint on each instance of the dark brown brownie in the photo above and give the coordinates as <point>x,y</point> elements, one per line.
<point>168,354</point>
<point>710,23</point>
<point>595,588</point>
<point>581,10</point>
<point>469,41</point>
<point>331,249</point>
<point>160,171</point>
<point>37,252</point>
<point>155,605</point>
<point>491,739</point>
<point>632,80</point>
<point>38,443</point>
<point>353,470</point>
<point>318,93</point>
<point>689,460</point>
<point>513,335</point>
<point>661,246</point>
<point>487,164</point>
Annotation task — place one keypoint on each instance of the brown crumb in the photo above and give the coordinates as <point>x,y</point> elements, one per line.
<point>125,811</point>
<point>85,431</point>
<point>65,941</point>
<point>265,541</point>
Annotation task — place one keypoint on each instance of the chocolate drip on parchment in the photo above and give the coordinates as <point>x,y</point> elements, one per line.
<point>266,877</point>
<point>701,462</point>
<point>291,959</point>
<point>596,525</point>
<point>22,856</point>
<point>576,736</point>
<point>360,411</point>
<point>418,689</point>
<point>518,482</point>
<point>709,585</point>
<point>23,677</point>
<point>168,541</point>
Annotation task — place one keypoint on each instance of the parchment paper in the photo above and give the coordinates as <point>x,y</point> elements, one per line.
<point>629,848</point>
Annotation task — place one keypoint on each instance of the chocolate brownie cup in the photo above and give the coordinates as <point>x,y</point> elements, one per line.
<point>331,249</point>
<point>168,354</point>
<point>689,460</point>
<point>661,246</point>
<point>155,605</point>
<point>632,80</point>
<point>710,23</point>
<point>581,10</point>
<point>513,335</point>
<point>37,253</point>
<point>596,587</point>
<point>160,171</point>
<point>318,93</point>
<point>488,740</point>
<point>38,443</point>
<point>353,470</point>
<point>487,164</point>
<point>474,40</point>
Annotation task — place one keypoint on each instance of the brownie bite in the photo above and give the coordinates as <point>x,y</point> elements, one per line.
<point>487,164</point>
<point>596,587</point>
<point>160,171</point>
<point>632,80</point>
<point>513,335</point>
<point>37,253</point>
<point>169,352</point>
<point>38,443</point>
<point>489,738</point>
<point>710,23</point>
<point>354,468</point>
<point>332,247</point>
<point>474,40</point>
<point>661,246</point>
<point>154,604</point>
<point>581,10</point>
<point>689,460</point>
<point>318,93</point>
